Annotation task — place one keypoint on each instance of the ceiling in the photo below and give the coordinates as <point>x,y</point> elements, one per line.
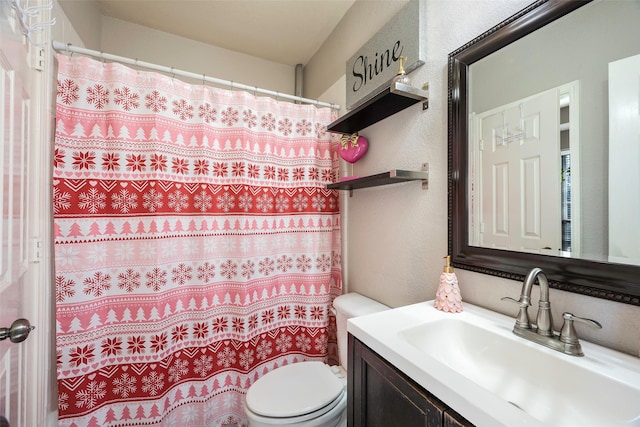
<point>283,31</point>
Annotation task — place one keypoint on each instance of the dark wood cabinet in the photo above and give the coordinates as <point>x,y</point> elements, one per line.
<point>379,395</point>
<point>453,419</point>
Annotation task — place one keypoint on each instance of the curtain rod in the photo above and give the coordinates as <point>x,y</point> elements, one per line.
<point>68,47</point>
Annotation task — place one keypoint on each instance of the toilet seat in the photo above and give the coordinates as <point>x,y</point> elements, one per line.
<point>295,390</point>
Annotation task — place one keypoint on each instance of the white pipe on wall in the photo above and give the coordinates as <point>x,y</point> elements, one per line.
<point>299,77</point>
<point>67,47</point>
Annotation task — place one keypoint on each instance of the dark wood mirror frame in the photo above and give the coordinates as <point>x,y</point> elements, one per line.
<point>615,282</point>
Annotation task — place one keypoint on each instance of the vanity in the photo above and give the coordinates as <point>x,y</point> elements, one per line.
<point>384,396</point>
<point>418,366</point>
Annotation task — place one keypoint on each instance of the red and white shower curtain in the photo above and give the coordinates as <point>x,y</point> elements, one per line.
<point>196,247</point>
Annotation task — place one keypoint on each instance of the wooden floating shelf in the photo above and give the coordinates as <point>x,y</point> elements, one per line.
<point>391,100</point>
<point>394,176</point>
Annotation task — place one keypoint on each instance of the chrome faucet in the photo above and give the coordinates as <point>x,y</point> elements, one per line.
<point>566,341</point>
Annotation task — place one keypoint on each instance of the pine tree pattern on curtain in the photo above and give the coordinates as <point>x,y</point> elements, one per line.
<point>196,247</point>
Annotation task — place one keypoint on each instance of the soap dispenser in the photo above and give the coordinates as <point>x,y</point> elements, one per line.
<point>448,297</point>
<point>401,76</point>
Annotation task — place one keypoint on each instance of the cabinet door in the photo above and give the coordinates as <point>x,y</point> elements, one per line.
<point>453,419</point>
<point>382,396</point>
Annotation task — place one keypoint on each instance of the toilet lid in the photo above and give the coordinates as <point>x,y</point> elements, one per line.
<point>294,390</point>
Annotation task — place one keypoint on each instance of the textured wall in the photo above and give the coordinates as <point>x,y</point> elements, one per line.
<point>122,38</point>
<point>135,41</point>
<point>82,17</point>
<point>396,236</point>
<point>358,25</point>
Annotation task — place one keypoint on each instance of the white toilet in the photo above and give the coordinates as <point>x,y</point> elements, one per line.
<point>309,394</point>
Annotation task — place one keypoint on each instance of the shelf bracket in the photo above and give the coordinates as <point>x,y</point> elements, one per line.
<point>425,182</point>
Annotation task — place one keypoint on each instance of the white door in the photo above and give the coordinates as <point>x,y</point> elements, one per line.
<point>24,377</point>
<point>520,180</point>
<point>624,160</point>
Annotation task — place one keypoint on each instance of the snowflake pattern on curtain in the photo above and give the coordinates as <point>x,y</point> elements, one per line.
<point>196,247</point>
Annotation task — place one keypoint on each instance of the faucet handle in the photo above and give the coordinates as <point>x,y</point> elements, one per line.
<point>523,302</point>
<point>568,333</point>
<point>522,320</point>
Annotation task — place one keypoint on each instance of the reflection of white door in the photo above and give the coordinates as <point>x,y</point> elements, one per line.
<point>25,380</point>
<point>519,188</point>
<point>624,160</point>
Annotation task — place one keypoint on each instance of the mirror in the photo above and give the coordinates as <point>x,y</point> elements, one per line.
<point>530,148</point>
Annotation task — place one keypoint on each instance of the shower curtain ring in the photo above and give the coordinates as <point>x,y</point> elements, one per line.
<point>204,79</point>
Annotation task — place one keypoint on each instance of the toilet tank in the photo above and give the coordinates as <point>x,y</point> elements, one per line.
<point>348,306</point>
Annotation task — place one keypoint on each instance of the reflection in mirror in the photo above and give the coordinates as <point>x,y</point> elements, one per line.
<point>544,152</point>
<point>520,174</point>
<point>624,160</point>
<point>518,177</point>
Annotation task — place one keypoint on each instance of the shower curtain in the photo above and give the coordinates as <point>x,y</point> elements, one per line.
<point>196,247</point>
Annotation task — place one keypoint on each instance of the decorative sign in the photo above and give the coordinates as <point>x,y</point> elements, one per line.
<point>374,65</point>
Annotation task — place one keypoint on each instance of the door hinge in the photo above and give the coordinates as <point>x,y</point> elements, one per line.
<point>36,250</point>
<point>481,144</point>
<point>37,58</point>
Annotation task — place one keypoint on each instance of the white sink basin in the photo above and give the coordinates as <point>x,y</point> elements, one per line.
<point>475,364</point>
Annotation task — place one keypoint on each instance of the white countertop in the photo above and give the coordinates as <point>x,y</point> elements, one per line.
<point>382,333</point>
